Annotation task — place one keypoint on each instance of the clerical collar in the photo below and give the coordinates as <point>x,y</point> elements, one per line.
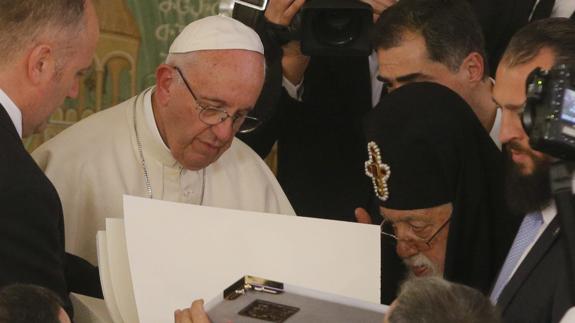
<point>192,183</point>
<point>149,116</point>
<point>13,111</point>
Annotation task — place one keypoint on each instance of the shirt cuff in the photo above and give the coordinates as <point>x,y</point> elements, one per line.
<point>295,91</point>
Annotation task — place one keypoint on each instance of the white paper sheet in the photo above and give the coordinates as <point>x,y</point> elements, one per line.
<point>119,270</point>
<point>180,252</point>
<point>106,279</point>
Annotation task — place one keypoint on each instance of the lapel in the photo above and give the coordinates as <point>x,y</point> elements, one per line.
<point>6,123</point>
<point>534,256</point>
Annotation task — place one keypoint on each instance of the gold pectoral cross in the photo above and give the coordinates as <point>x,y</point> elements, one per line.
<point>377,171</point>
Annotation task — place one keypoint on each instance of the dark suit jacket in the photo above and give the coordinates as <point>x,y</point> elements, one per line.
<point>320,146</point>
<point>321,149</point>
<point>500,19</point>
<point>32,228</point>
<point>539,289</point>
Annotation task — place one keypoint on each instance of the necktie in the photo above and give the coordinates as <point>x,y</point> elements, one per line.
<point>527,232</point>
<point>543,10</point>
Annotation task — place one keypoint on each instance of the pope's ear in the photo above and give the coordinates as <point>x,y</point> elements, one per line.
<point>41,64</point>
<point>165,77</point>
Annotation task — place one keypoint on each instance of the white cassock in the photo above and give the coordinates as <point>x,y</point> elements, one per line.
<point>569,316</point>
<point>94,162</point>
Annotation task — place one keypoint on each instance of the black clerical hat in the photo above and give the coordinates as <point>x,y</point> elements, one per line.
<point>434,150</point>
<point>413,130</point>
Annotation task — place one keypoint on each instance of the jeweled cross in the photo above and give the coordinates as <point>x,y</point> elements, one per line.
<point>377,171</point>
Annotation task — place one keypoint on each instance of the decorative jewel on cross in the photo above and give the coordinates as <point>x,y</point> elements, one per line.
<point>378,171</point>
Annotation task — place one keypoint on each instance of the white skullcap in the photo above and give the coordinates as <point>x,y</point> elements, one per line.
<point>216,32</point>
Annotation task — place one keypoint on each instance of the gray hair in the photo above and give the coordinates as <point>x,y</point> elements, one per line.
<point>433,299</point>
<point>23,21</point>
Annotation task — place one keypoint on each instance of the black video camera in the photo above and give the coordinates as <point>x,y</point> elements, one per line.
<point>549,115</point>
<point>324,27</point>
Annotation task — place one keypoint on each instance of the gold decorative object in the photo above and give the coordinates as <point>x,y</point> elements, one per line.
<point>378,171</point>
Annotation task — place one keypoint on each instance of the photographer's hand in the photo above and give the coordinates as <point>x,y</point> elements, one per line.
<point>294,63</point>
<point>379,6</point>
<point>281,12</point>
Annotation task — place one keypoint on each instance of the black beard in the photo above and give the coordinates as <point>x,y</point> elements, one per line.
<point>527,193</point>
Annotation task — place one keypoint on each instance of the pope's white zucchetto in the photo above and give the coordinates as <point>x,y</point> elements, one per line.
<point>216,33</point>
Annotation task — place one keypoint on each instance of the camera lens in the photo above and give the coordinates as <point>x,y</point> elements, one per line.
<point>527,118</point>
<point>336,27</point>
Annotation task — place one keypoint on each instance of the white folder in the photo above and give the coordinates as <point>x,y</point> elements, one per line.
<point>163,255</point>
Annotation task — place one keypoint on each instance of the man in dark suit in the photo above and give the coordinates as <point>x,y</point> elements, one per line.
<point>315,117</point>
<point>533,283</point>
<point>45,46</point>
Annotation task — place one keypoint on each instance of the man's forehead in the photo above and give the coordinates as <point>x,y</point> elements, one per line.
<point>412,51</point>
<point>424,214</point>
<point>510,81</point>
<point>509,88</point>
<point>410,63</point>
<point>407,215</point>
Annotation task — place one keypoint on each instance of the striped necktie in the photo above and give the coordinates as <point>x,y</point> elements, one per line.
<point>527,232</point>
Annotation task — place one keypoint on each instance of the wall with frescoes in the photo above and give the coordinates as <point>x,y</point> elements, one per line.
<point>134,38</point>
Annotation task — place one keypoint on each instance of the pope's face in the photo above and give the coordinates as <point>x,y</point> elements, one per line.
<point>421,237</point>
<point>229,80</point>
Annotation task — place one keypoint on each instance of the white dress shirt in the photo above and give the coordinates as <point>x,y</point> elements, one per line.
<point>13,111</point>
<point>494,133</point>
<point>562,8</point>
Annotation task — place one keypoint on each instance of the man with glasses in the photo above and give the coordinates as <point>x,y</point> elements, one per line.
<point>174,141</point>
<point>438,179</point>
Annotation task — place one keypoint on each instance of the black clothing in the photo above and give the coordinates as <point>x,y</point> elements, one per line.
<point>320,141</point>
<point>32,227</point>
<point>538,292</point>
<point>438,152</point>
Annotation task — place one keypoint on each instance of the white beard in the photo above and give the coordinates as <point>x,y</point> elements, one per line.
<point>421,260</point>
